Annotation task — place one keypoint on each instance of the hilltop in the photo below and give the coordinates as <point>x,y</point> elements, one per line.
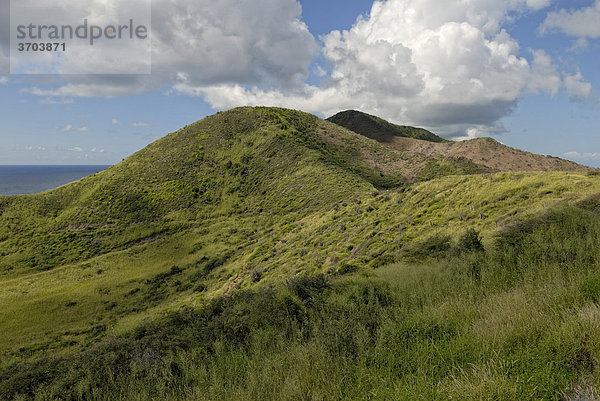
<point>246,254</point>
<point>377,128</point>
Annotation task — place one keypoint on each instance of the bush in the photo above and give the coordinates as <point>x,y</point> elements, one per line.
<point>347,268</point>
<point>308,288</point>
<point>256,275</point>
<point>382,260</point>
<point>470,242</point>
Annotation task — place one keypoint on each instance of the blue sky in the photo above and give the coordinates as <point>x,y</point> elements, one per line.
<point>526,72</point>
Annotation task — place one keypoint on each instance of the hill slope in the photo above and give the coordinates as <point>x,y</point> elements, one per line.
<point>489,153</point>
<point>243,162</point>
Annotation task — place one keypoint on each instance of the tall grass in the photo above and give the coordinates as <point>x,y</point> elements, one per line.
<point>519,321</point>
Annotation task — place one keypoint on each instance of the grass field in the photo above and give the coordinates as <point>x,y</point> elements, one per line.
<point>518,321</point>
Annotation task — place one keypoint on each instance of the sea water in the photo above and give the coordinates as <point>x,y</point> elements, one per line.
<point>23,180</point>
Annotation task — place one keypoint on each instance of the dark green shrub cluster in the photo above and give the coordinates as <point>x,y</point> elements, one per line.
<point>470,241</point>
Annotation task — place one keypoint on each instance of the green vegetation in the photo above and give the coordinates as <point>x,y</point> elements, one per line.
<point>516,322</point>
<point>376,128</point>
<point>264,253</point>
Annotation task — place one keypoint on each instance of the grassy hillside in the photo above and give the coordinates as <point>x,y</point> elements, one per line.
<point>376,128</point>
<point>264,253</point>
<point>517,321</point>
<point>244,162</point>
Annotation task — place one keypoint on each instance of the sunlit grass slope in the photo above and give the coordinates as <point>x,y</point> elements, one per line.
<point>118,290</point>
<point>239,163</point>
<point>518,321</point>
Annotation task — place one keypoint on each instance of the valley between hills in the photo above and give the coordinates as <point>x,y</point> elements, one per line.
<point>265,253</point>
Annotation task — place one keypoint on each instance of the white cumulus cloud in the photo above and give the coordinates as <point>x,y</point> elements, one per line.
<point>577,88</point>
<point>451,68</point>
<point>544,74</point>
<point>582,23</point>
<point>582,156</point>
<point>251,42</point>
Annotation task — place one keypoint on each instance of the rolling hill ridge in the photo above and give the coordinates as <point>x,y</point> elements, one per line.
<point>237,188</point>
<point>247,161</point>
<point>483,152</point>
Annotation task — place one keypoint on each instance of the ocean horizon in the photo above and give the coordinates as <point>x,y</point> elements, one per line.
<point>33,179</point>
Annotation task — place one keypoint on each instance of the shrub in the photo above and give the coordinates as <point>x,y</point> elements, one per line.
<point>308,288</point>
<point>256,275</point>
<point>513,235</point>
<point>347,268</point>
<point>383,260</point>
<point>470,241</point>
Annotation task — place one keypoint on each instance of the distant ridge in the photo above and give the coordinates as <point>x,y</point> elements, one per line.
<point>377,128</point>
<point>486,153</point>
<point>491,154</point>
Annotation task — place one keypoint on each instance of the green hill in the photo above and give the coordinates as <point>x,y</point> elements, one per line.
<point>264,253</point>
<point>245,162</point>
<point>376,128</point>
